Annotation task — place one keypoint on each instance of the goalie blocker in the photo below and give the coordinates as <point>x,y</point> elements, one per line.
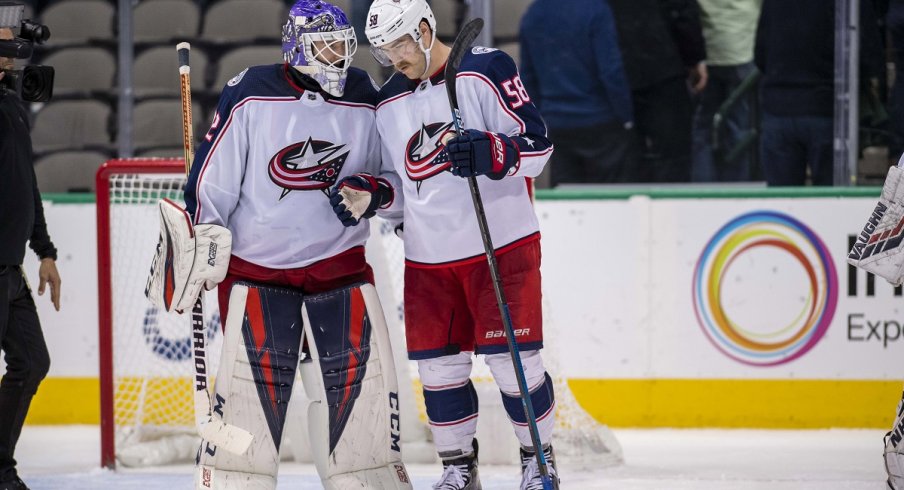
<point>348,376</point>
<point>187,258</point>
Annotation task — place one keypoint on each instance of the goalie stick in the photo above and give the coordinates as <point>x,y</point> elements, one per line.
<point>229,437</point>
<point>462,43</point>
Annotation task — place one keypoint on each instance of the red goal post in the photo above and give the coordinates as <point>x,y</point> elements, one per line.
<point>123,183</point>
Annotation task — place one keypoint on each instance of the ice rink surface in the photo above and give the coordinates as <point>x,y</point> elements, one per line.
<point>66,457</point>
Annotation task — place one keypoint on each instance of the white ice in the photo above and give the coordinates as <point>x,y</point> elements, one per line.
<point>66,457</point>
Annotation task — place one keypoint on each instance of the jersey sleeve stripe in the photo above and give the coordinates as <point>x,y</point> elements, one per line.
<point>351,104</point>
<point>393,98</point>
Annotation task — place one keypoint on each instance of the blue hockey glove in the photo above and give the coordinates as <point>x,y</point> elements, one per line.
<point>480,153</point>
<point>358,196</point>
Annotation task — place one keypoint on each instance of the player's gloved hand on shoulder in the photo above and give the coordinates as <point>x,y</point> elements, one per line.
<point>481,153</point>
<point>359,196</point>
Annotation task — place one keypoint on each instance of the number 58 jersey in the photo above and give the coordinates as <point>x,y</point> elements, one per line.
<point>414,120</point>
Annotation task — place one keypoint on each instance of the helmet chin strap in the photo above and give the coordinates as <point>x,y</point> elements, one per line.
<point>426,53</point>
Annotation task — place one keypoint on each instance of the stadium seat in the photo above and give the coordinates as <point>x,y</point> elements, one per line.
<point>513,50</point>
<point>444,11</point>
<point>173,152</point>
<point>365,61</point>
<point>81,71</point>
<point>165,21</point>
<point>68,171</point>
<point>237,60</point>
<point>158,124</point>
<point>79,21</point>
<point>156,72</point>
<point>233,21</point>
<point>72,125</point>
<point>507,19</point>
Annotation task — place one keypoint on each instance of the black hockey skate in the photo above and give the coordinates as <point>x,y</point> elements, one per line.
<point>530,472</point>
<point>460,473</point>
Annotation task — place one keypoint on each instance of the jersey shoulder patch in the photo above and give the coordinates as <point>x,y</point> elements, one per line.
<point>482,50</point>
<point>236,79</point>
<point>492,63</point>
<point>258,81</point>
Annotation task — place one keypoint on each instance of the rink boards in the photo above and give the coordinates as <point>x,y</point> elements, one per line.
<point>670,308</point>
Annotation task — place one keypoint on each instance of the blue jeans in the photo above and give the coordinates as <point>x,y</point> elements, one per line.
<point>722,81</point>
<point>790,144</point>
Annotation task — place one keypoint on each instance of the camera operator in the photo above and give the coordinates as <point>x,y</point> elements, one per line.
<point>21,221</point>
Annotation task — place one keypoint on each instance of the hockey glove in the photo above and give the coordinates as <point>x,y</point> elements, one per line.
<point>358,196</point>
<point>480,153</point>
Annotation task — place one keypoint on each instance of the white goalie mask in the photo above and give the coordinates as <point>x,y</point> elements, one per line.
<point>393,24</point>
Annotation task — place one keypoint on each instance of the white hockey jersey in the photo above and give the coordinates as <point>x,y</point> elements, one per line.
<point>274,150</point>
<point>413,118</point>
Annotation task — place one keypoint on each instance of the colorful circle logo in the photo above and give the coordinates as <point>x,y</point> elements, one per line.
<point>786,336</point>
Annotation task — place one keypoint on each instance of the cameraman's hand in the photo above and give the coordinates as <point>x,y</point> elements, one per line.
<point>48,273</point>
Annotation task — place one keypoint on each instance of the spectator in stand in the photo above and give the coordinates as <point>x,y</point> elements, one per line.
<point>663,52</point>
<point>895,23</point>
<point>580,89</point>
<point>729,28</point>
<point>795,50</point>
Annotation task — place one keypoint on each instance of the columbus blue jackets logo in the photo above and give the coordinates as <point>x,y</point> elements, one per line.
<point>307,166</point>
<point>425,155</point>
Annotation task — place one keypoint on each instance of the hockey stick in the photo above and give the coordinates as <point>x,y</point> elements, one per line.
<point>214,430</point>
<point>462,43</point>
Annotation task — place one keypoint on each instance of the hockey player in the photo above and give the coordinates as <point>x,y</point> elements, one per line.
<point>450,308</point>
<point>297,285</point>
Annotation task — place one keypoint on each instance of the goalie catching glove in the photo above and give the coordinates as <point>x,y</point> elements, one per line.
<point>481,153</point>
<point>878,247</point>
<point>359,196</point>
<point>188,257</point>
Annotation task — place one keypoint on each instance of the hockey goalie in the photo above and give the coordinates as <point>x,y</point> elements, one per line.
<point>878,250</point>
<point>293,284</point>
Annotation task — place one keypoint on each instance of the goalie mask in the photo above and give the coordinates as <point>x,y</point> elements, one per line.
<point>319,42</point>
<point>393,30</point>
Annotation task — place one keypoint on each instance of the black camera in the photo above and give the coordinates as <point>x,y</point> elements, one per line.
<point>33,83</point>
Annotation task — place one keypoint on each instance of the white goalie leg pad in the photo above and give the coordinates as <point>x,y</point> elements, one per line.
<point>350,379</point>
<point>878,247</point>
<point>894,450</point>
<point>187,258</point>
<point>253,386</point>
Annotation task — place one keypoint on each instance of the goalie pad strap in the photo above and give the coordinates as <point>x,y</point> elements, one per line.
<point>353,415</point>
<point>187,258</point>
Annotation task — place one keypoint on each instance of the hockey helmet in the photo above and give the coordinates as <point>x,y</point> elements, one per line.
<point>319,41</point>
<point>391,20</point>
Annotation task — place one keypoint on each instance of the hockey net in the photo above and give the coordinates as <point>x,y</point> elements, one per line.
<point>147,410</point>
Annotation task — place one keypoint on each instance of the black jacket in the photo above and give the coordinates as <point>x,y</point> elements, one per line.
<point>659,39</point>
<point>795,51</point>
<point>21,212</point>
